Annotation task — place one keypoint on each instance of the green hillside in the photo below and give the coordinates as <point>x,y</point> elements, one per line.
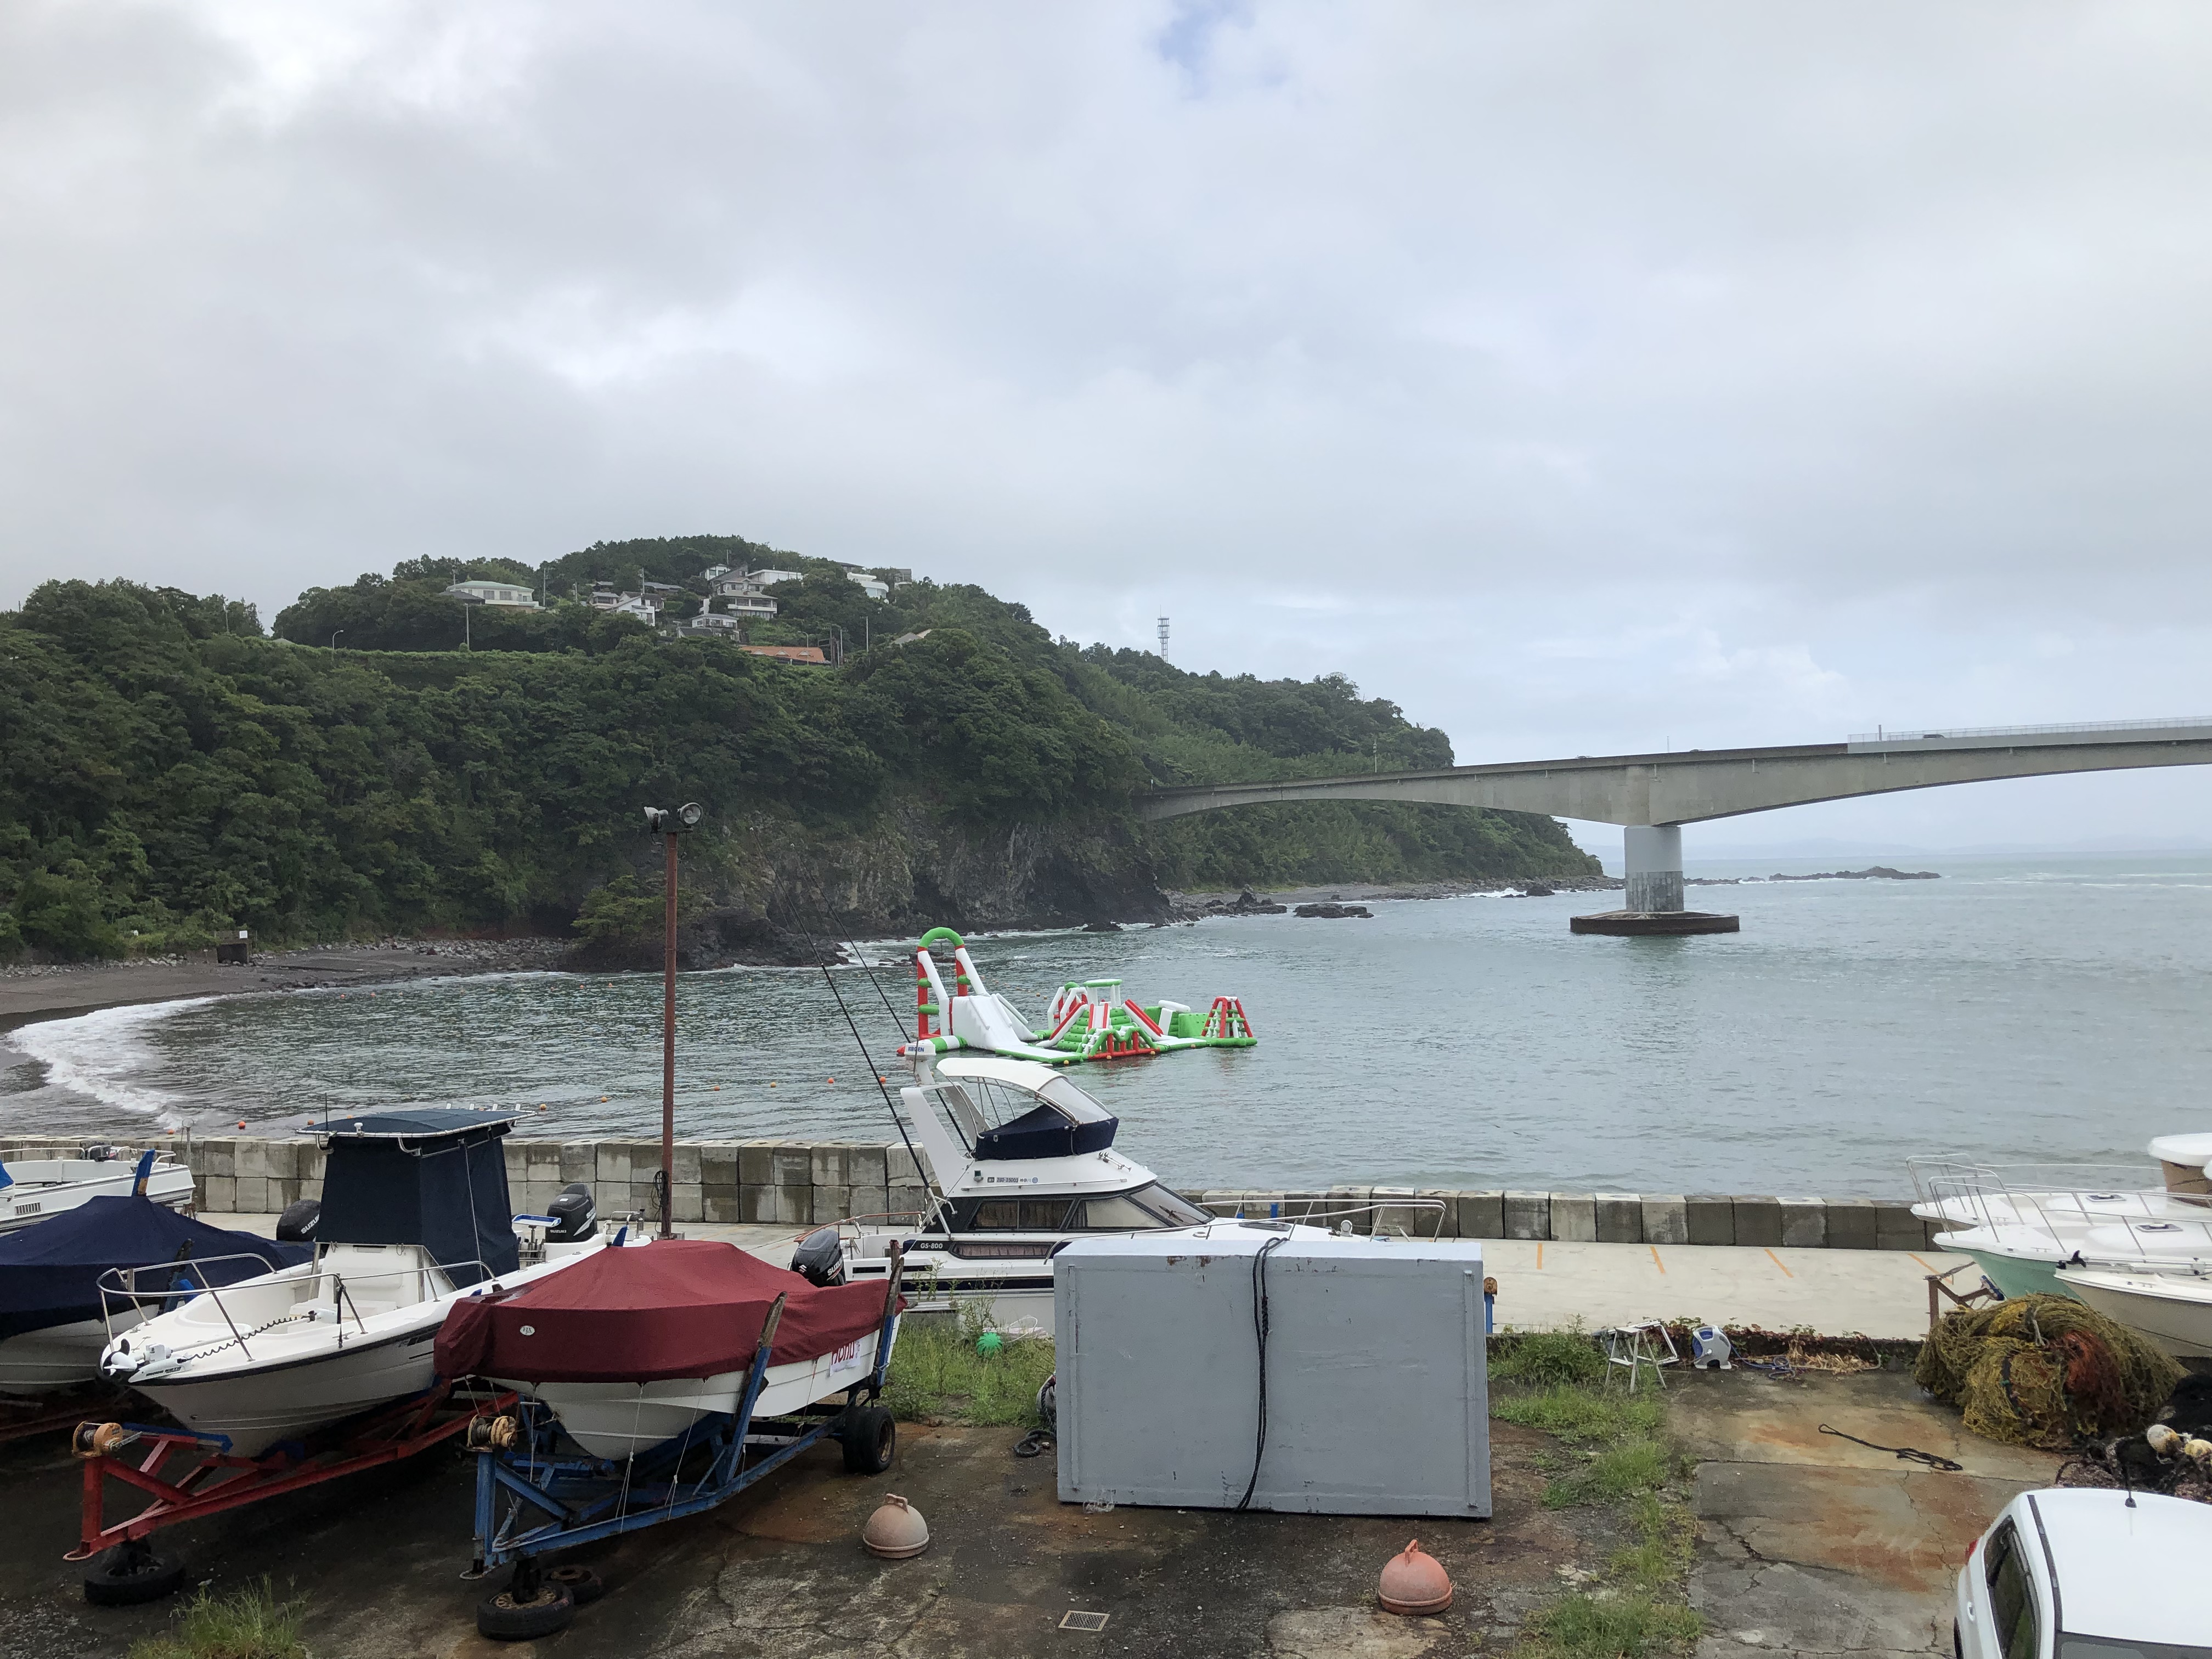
<point>167,770</point>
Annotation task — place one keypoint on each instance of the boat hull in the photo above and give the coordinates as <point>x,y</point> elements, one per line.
<point>33,1198</point>
<point>56,1357</point>
<point>2015,1275</point>
<point>2174,1312</point>
<point>286,1401</point>
<point>615,1420</point>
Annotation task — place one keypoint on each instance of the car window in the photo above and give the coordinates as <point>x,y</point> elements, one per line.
<point>2012,1601</point>
<point>2103,1647</point>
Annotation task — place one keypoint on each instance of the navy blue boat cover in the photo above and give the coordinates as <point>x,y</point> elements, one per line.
<point>433,1176</point>
<point>49,1272</point>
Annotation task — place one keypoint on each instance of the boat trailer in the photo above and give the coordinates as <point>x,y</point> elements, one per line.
<point>553,1501</point>
<point>209,1480</point>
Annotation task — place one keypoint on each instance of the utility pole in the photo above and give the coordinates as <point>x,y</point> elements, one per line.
<point>668,825</point>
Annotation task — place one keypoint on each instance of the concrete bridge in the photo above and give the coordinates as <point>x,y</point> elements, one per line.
<point>1653,796</point>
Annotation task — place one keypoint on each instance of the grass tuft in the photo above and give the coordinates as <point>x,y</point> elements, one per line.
<point>1613,1627</point>
<point>938,1375</point>
<point>1582,1416</point>
<point>247,1624</point>
<point>1549,1357</point>
<point>1630,1469</point>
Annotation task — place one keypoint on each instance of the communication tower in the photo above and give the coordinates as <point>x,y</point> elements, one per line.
<point>1163,638</point>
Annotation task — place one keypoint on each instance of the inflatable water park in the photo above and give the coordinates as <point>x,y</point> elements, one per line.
<point>1090,1019</point>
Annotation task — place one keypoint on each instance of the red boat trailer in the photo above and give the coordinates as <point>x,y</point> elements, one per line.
<point>211,1481</point>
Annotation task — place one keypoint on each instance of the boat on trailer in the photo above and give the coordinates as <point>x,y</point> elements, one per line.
<point>655,1383</point>
<point>415,1216</point>
<point>1021,1163</point>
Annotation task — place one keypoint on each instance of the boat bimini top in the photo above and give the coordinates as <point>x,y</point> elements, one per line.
<point>430,1175</point>
<point>986,1124</point>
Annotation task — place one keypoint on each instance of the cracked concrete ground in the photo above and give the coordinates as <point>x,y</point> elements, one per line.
<point>779,1573</point>
<point>1810,1544</point>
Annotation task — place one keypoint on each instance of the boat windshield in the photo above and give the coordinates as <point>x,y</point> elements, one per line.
<point>1142,1211</point>
<point>977,1105</point>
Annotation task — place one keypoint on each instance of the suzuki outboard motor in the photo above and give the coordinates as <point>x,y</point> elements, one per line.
<point>298,1223</point>
<point>820,1257</point>
<point>575,1215</point>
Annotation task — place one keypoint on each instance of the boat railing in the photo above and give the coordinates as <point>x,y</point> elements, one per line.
<point>2038,1197</point>
<point>1339,1218</point>
<point>121,1287</point>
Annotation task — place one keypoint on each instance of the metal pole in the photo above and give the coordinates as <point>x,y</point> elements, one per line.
<point>668,1055</point>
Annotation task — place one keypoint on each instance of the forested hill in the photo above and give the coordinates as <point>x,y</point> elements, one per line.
<point>167,770</point>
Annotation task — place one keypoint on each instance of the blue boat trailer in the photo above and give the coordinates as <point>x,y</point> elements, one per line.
<point>538,1492</point>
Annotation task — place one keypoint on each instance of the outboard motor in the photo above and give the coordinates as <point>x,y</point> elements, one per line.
<point>298,1223</point>
<point>820,1258</point>
<point>575,1215</point>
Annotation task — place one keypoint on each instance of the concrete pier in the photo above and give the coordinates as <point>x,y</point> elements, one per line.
<point>1652,864</point>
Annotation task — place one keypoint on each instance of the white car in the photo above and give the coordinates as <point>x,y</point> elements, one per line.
<point>2081,1573</point>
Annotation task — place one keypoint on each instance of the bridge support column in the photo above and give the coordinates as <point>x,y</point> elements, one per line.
<point>1652,862</point>
<point>1652,865</point>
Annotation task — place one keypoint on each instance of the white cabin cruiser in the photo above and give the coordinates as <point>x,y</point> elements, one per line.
<point>35,1189</point>
<point>1021,1163</point>
<point>2168,1300</point>
<point>2022,1222</point>
<point>415,1216</point>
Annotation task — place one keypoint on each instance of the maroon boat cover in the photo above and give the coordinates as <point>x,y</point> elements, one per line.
<point>676,1307</point>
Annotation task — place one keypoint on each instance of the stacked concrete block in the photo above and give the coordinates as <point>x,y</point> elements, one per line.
<point>1348,1206</point>
<point>1710,1219</point>
<point>1757,1221</point>
<point>1852,1223</point>
<point>1528,1215</point>
<point>1896,1228</point>
<point>1397,1214</point>
<point>1480,1215</point>
<point>1804,1222</point>
<point>1574,1218</point>
<point>1619,1217</point>
<point>1666,1219</point>
<point>1439,1212</point>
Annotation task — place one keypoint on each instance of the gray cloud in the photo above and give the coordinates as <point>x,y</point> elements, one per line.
<point>1579,376</point>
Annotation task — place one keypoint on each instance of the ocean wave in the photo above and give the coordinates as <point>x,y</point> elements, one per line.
<point>102,1054</point>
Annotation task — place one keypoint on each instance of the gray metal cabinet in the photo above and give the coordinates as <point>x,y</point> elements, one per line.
<point>1377,1392</point>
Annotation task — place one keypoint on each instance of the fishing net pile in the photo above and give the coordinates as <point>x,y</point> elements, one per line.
<point>2173,1456</point>
<point>2046,1371</point>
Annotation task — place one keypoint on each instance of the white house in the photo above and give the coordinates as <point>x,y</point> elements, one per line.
<point>643,606</point>
<point>507,593</point>
<point>769,578</point>
<point>718,624</point>
<point>868,585</point>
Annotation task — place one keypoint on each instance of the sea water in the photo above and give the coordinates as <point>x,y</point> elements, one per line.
<point>2016,1010</point>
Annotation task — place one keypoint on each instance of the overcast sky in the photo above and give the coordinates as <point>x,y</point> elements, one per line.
<point>1584,378</point>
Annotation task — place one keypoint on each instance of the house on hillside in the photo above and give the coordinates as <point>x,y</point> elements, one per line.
<point>487,593</point>
<point>644,606</point>
<point>799,653</point>
<point>711,623</point>
<point>869,584</point>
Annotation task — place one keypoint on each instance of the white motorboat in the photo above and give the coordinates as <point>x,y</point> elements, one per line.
<point>2168,1302</point>
<point>415,1216</point>
<point>53,1321</point>
<point>2020,1222</point>
<point>1021,1161</point>
<point>36,1189</point>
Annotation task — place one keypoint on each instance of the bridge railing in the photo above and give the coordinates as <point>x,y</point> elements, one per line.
<point>1955,733</point>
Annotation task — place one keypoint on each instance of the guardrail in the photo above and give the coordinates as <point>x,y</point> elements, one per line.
<point>1923,734</point>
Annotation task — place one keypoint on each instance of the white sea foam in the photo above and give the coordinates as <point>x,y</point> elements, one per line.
<point>106,1054</point>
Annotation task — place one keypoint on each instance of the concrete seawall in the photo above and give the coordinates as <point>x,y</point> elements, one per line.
<point>800,1183</point>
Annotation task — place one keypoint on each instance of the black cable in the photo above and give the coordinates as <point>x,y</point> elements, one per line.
<point>1910,1454</point>
<point>1259,1331</point>
<point>921,1169</point>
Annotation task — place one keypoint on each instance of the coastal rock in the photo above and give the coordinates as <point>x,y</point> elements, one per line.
<point>1335,912</point>
<point>1872,872</point>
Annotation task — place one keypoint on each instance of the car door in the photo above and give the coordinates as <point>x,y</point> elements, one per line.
<point>2015,1617</point>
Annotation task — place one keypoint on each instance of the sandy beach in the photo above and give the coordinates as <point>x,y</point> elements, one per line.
<point>60,990</point>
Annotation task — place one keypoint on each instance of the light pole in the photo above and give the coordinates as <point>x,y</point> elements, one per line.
<point>668,825</point>
<point>334,637</point>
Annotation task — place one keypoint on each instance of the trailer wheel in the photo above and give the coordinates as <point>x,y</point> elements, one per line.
<point>503,1618</point>
<point>130,1574</point>
<point>870,1438</point>
<point>583,1585</point>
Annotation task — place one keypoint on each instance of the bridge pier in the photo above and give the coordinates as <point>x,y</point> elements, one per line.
<point>1652,865</point>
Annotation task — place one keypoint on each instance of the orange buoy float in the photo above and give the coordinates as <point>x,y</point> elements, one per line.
<point>895,1531</point>
<point>1415,1583</point>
